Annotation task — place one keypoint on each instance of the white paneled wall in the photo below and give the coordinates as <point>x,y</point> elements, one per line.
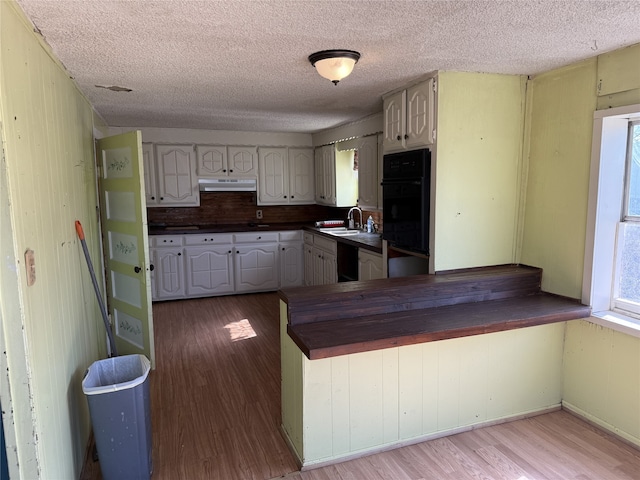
<point>602,377</point>
<point>371,401</point>
<point>50,174</point>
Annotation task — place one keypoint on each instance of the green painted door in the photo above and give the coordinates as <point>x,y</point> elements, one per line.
<point>125,241</point>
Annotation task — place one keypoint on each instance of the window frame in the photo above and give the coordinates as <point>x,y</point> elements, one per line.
<point>619,304</point>
<point>607,193</point>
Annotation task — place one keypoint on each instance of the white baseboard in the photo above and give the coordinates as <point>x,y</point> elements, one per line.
<point>601,424</point>
<point>412,441</point>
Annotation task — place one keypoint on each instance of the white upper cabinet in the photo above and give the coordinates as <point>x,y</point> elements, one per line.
<point>177,180</point>
<point>272,164</point>
<point>409,117</point>
<point>242,161</point>
<point>223,161</point>
<point>150,177</point>
<point>285,176</point>
<point>368,182</point>
<point>336,180</point>
<point>301,181</point>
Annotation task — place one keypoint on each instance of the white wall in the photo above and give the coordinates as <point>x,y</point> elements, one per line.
<point>343,406</point>
<point>601,366</point>
<point>602,378</point>
<point>478,157</point>
<point>51,330</point>
<point>218,137</point>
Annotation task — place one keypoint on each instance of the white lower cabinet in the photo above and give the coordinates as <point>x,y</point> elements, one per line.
<point>209,270</point>
<point>369,265</point>
<point>320,260</point>
<point>308,259</point>
<point>256,267</point>
<point>169,273</point>
<point>291,259</point>
<point>202,265</point>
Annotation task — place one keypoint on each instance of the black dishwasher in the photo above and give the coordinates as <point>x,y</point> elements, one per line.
<point>347,262</point>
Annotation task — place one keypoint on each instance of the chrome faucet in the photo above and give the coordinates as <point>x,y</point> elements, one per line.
<point>350,218</point>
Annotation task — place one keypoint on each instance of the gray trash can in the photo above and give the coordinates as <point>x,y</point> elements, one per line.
<point>117,391</point>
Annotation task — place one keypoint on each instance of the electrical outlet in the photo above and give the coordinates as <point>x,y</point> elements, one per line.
<point>259,214</point>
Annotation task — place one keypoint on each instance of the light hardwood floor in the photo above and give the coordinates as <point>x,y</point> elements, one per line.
<point>215,402</point>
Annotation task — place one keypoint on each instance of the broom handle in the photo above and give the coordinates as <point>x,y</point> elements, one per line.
<point>103,310</point>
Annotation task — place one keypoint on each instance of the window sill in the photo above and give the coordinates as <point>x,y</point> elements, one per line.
<point>617,321</point>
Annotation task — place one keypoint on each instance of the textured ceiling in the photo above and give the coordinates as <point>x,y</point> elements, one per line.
<point>242,65</point>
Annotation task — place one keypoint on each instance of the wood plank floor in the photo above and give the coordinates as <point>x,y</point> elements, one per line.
<point>215,402</point>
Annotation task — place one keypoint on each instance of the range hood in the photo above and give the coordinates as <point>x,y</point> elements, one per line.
<point>227,184</point>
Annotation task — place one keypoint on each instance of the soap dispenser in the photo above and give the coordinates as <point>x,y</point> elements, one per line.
<point>370,224</point>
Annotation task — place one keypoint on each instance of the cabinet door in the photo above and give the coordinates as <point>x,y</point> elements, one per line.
<point>369,265</point>
<point>272,185</point>
<point>394,121</point>
<point>318,266</point>
<point>319,175</point>
<point>177,180</point>
<point>242,161</point>
<point>329,269</point>
<point>212,160</point>
<point>420,115</point>
<point>256,268</point>
<point>308,265</point>
<point>209,270</point>
<point>291,264</point>
<point>169,273</point>
<point>150,176</point>
<point>329,170</point>
<point>301,181</point>
<point>368,182</point>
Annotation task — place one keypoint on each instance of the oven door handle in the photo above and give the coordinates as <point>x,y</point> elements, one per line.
<point>401,181</point>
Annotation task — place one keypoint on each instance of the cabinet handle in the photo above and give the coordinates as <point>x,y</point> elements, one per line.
<point>230,170</point>
<point>291,196</point>
<point>285,196</point>
<point>161,198</point>
<point>153,198</point>
<point>152,267</point>
<point>398,138</point>
<point>179,254</point>
<point>283,249</point>
<point>406,136</point>
<point>229,251</point>
<point>259,238</point>
<point>137,269</point>
<point>224,170</point>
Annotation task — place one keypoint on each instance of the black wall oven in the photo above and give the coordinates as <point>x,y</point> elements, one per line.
<point>406,185</point>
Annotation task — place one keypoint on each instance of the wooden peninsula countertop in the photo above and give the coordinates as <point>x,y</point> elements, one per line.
<point>344,318</point>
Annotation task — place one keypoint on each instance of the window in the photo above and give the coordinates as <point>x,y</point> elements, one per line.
<point>626,293</point>
<point>611,282</point>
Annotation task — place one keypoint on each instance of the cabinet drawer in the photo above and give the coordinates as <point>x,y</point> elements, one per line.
<point>255,237</point>
<point>290,236</point>
<point>208,239</point>
<point>167,240</point>
<point>325,244</point>
<point>308,238</point>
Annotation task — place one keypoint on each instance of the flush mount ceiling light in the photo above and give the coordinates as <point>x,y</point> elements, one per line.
<point>334,65</point>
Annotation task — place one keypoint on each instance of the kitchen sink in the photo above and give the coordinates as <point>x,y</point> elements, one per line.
<point>340,231</point>
<point>345,232</point>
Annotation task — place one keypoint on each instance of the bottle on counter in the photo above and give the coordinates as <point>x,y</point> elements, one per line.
<point>370,224</point>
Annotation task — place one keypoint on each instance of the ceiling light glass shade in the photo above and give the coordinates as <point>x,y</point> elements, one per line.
<point>334,65</point>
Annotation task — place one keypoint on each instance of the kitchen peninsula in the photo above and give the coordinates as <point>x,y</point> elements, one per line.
<point>369,366</point>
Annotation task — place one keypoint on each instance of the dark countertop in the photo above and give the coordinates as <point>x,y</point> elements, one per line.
<point>368,241</point>
<point>352,317</point>
<point>158,229</point>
